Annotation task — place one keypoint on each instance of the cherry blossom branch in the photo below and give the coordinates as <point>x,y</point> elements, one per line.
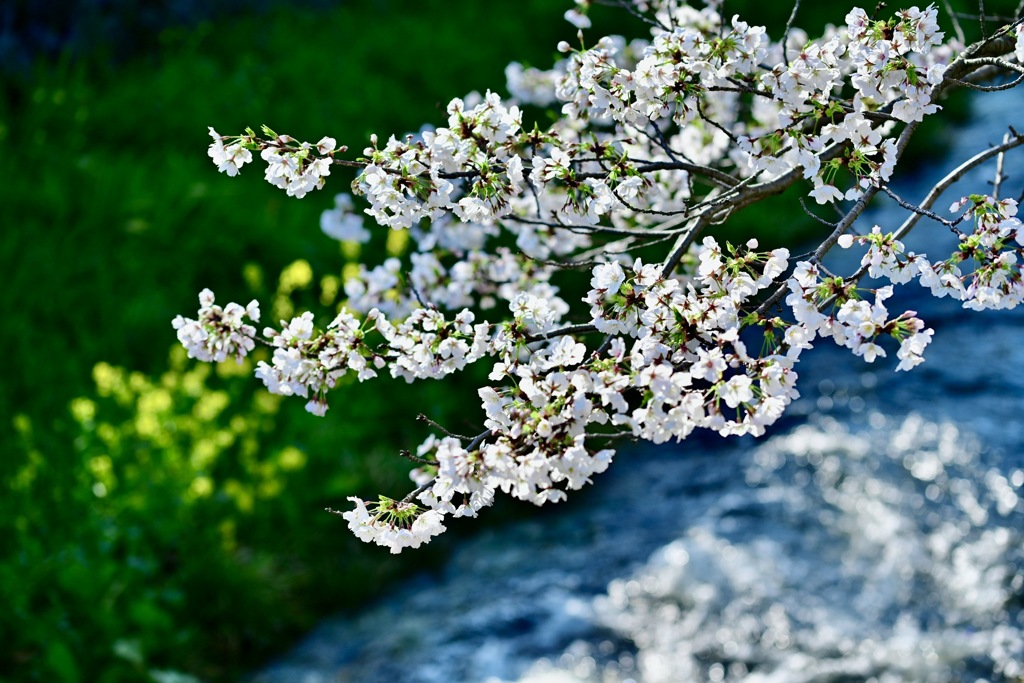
<point>789,27</point>
<point>956,22</point>
<point>585,328</point>
<point>684,242</point>
<point>990,88</point>
<point>643,166</point>
<point>659,140</point>
<point>955,175</point>
<point>628,6</point>
<point>831,225</point>
<point>1000,158</point>
<point>423,418</point>
<point>819,253</point>
<point>917,209</point>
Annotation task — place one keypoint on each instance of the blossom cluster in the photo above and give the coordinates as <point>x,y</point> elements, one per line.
<point>424,345</point>
<point>218,333</point>
<point>991,254</point>
<point>392,524</point>
<point>403,180</point>
<point>659,140</point>
<point>854,323</point>
<point>690,360</point>
<point>297,169</point>
<point>228,158</point>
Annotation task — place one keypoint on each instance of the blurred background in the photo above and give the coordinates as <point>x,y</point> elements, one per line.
<point>161,514</point>
<point>162,519</point>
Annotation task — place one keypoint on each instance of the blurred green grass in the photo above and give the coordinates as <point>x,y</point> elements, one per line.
<point>147,527</point>
<point>158,516</point>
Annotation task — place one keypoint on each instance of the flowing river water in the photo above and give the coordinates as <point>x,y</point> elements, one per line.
<point>877,535</point>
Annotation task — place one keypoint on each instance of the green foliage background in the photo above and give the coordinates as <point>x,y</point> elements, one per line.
<point>159,515</point>
<point>160,518</point>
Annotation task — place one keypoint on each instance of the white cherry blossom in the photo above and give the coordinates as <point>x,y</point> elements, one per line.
<point>657,141</point>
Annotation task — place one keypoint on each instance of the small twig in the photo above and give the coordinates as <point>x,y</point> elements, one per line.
<point>637,209</point>
<point>815,216</point>
<point>589,229</point>
<point>661,141</point>
<point>785,34</point>
<point>917,209</point>
<point>416,292</point>
<point>647,244</point>
<point>415,458</point>
<point>822,268</point>
<point>615,435</point>
<point>624,245</point>
<point>703,115</point>
<point>628,6</point>
<point>571,265</point>
<point>989,88</point>
<point>991,17</point>
<point>417,491</point>
<point>721,178</point>
<point>807,254</point>
<point>847,221</point>
<point>956,23</point>
<point>742,87</point>
<point>855,278</point>
<point>823,249</point>
<point>350,164</point>
<point>604,345</point>
<point>954,176</point>
<point>478,440</point>
<point>586,328</point>
<point>423,418</point>
<point>838,210</point>
<point>999,169</point>
<point>683,243</point>
<point>880,115</point>
<point>985,73</point>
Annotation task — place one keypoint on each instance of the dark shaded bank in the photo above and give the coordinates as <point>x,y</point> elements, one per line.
<point>110,29</point>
